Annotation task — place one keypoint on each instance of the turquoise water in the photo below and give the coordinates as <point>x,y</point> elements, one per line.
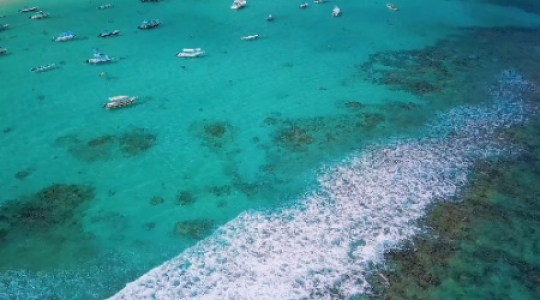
<point>246,127</point>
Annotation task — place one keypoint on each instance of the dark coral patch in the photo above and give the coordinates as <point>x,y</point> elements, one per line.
<point>44,230</point>
<point>194,229</point>
<point>216,135</point>
<point>136,141</point>
<point>133,142</point>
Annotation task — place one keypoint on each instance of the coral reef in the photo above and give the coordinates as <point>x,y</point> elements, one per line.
<point>194,229</point>
<point>488,237</point>
<point>49,221</point>
<point>132,142</point>
<point>216,135</point>
<point>185,198</point>
<point>156,200</point>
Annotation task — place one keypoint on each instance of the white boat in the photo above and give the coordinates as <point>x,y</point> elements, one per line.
<point>4,26</point>
<point>250,37</point>
<point>238,4</point>
<point>303,5</point>
<point>105,6</point>
<point>43,68</point>
<point>336,12</point>
<point>64,36</point>
<point>3,51</point>
<point>318,1</point>
<point>28,9</point>
<point>99,58</point>
<point>190,52</point>
<point>39,15</point>
<point>119,101</point>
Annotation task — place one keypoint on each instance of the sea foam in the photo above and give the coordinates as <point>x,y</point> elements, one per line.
<point>326,244</point>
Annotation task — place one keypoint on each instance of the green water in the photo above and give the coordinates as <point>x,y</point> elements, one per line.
<point>243,128</point>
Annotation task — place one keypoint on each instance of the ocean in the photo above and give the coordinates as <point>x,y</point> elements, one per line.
<point>326,159</point>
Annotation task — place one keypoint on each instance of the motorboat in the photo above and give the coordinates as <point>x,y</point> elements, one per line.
<point>105,6</point>
<point>28,9</point>
<point>336,12</point>
<point>303,5</point>
<point>64,36</point>
<point>109,33</point>
<point>391,7</point>
<point>318,1</point>
<point>250,37</point>
<point>4,27</point>
<point>238,4</point>
<point>3,51</point>
<point>43,68</point>
<point>149,24</point>
<point>99,58</point>
<point>39,15</point>
<point>270,18</point>
<point>190,53</point>
<point>119,101</point>
<point>150,0</point>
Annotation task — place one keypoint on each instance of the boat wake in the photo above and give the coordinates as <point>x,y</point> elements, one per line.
<point>326,244</point>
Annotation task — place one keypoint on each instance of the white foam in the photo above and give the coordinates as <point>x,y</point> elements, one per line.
<point>328,242</point>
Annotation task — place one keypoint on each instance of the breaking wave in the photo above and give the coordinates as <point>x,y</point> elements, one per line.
<point>327,243</point>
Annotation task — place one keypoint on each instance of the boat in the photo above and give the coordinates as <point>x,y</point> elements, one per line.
<point>64,36</point>
<point>150,0</point>
<point>149,24</point>
<point>391,7</point>
<point>109,33</point>
<point>105,6</point>
<point>3,51</point>
<point>39,15</point>
<point>270,18</point>
<point>190,53</point>
<point>119,101</point>
<point>28,9</point>
<point>4,27</point>
<point>318,1</point>
<point>336,12</point>
<point>303,5</point>
<point>43,68</point>
<point>250,37</point>
<point>99,58</point>
<point>238,4</point>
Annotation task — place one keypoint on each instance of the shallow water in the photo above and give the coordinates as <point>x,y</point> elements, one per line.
<point>251,126</point>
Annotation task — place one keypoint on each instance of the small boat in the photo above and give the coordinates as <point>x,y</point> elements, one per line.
<point>391,7</point>
<point>318,1</point>
<point>64,36</point>
<point>303,5</point>
<point>109,33</point>
<point>190,53</point>
<point>149,24</point>
<point>43,68</point>
<point>250,37</point>
<point>39,15</point>
<point>150,0</point>
<point>4,27</point>
<point>336,12</point>
<point>28,9</point>
<point>238,4</point>
<point>270,18</point>
<point>119,101</point>
<point>3,51</point>
<point>99,58</point>
<point>105,6</point>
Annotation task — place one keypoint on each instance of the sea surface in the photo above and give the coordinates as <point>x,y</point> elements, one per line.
<point>305,164</point>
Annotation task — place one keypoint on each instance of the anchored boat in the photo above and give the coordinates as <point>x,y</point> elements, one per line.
<point>119,101</point>
<point>149,24</point>
<point>238,4</point>
<point>28,9</point>
<point>190,53</point>
<point>43,68</point>
<point>4,27</point>
<point>109,33</point>
<point>39,15</point>
<point>64,36</point>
